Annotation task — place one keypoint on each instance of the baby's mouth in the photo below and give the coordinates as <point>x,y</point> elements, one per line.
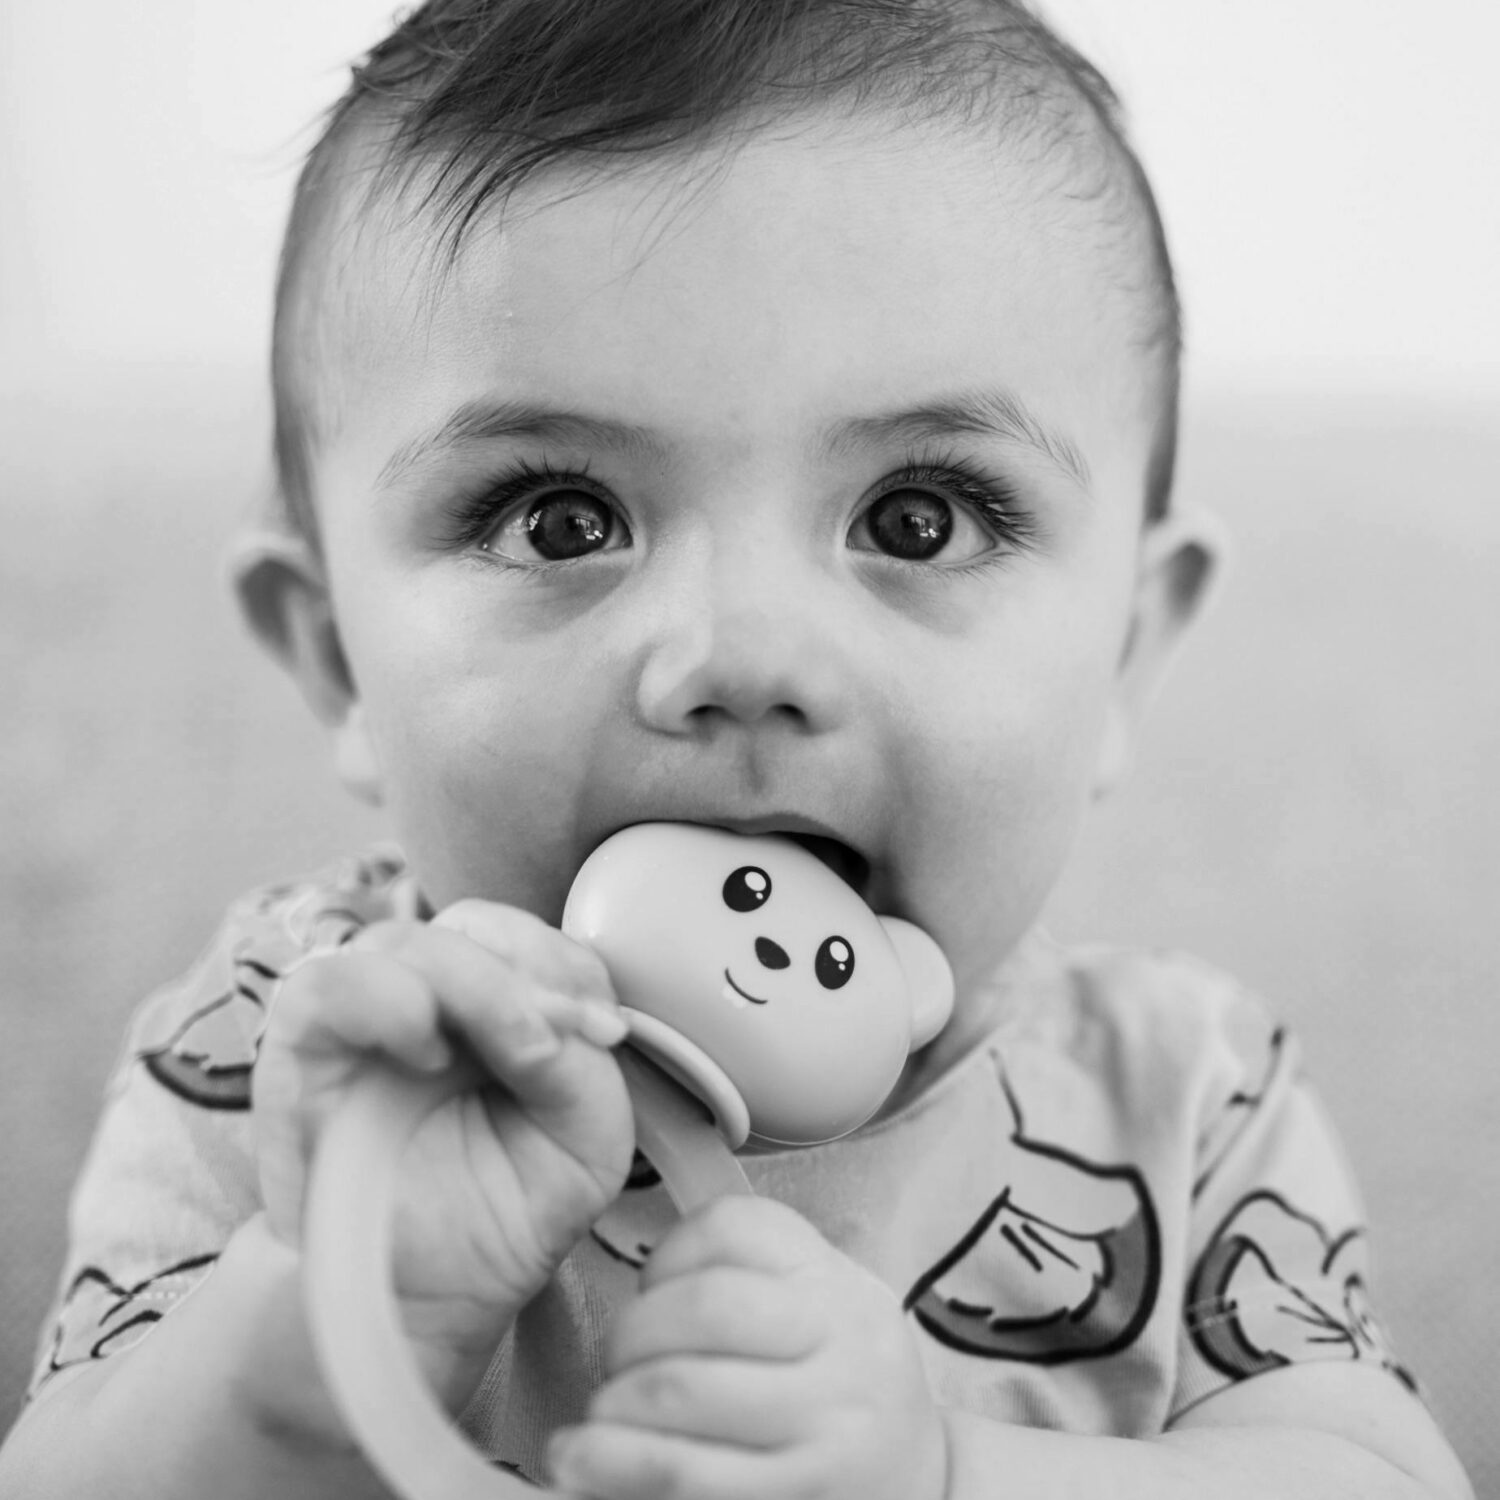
<point>848,864</point>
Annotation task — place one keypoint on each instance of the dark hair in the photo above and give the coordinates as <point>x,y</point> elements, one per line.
<point>480,95</point>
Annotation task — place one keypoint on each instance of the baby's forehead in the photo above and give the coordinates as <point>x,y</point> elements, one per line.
<point>1074,180</point>
<point>800,210</point>
<point>746,241</point>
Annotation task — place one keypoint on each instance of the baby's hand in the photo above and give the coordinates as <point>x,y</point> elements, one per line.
<point>757,1361</point>
<point>497,1185</point>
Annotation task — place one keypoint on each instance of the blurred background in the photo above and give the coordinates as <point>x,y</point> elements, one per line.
<point>1316,807</point>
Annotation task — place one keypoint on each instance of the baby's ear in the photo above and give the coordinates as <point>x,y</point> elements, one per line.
<point>1182,559</point>
<point>283,593</point>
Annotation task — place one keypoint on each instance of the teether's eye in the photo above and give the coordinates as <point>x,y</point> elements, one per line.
<point>834,963</point>
<point>747,888</point>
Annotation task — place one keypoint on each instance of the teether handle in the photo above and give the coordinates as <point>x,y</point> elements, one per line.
<point>351,1305</point>
<point>678,1139</point>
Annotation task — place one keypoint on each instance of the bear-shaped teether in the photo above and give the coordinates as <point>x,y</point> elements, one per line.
<point>757,978</point>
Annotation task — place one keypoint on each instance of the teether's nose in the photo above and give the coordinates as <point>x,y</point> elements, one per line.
<point>772,955</point>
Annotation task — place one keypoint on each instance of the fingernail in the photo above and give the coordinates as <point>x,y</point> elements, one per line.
<point>603,1025</point>
<point>588,967</point>
<point>529,1038</point>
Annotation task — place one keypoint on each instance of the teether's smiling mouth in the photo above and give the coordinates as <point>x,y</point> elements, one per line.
<point>753,999</point>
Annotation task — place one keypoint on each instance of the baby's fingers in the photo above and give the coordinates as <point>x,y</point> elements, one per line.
<point>725,1311</point>
<point>756,1234</point>
<point>513,1011</point>
<point>357,1001</point>
<point>551,958</point>
<point>634,1463</point>
<point>329,1015</point>
<point>421,995</point>
<point>750,1403</point>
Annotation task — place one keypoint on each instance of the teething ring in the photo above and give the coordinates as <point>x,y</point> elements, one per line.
<point>351,1304</point>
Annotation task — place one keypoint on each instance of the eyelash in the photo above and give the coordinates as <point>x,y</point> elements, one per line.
<point>995,502</point>
<point>471,518</point>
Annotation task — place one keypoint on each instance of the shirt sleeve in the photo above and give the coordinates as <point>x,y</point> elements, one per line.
<point>1278,1255</point>
<point>170,1174</point>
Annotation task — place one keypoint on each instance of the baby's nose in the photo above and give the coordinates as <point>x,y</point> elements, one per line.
<point>772,955</point>
<point>745,640</point>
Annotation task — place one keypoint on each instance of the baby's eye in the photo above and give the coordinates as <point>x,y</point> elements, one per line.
<point>556,527</point>
<point>916,525</point>
<point>944,511</point>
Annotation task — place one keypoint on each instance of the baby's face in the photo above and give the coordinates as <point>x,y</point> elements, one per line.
<point>806,497</point>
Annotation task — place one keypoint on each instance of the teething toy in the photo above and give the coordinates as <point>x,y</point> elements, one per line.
<point>757,978</point>
<point>758,987</point>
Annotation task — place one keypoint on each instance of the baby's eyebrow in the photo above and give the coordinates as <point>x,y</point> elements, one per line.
<point>981,413</point>
<point>487,421</point>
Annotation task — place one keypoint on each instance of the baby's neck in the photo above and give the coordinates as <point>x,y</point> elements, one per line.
<point>979,1010</point>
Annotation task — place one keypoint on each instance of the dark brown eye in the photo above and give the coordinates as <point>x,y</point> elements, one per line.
<point>910,524</point>
<point>747,888</point>
<point>568,523</point>
<point>834,964</point>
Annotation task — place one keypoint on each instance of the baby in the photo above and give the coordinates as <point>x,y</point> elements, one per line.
<point>757,414</point>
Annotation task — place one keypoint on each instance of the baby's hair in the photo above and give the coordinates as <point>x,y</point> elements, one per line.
<point>472,98</point>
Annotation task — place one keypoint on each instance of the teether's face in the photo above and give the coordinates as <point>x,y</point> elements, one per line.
<point>762,957</point>
<point>825,960</point>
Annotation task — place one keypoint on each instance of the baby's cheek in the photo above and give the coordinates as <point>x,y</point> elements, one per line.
<point>986,868</point>
<point>469,830</point>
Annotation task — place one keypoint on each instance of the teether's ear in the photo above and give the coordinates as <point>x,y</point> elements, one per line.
<point>929,980</point>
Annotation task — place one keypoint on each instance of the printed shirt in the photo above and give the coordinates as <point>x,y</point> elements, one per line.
<point>1123,1200</point>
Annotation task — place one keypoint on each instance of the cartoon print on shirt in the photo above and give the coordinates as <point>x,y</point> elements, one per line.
<point>1063,1264</point>
<point>632,1223</point>
<point>208,1055</point>
<point>208,1059</point>
<point>1275,1286</point>
<point>100,1317</point>
<point>1276,1075</point>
